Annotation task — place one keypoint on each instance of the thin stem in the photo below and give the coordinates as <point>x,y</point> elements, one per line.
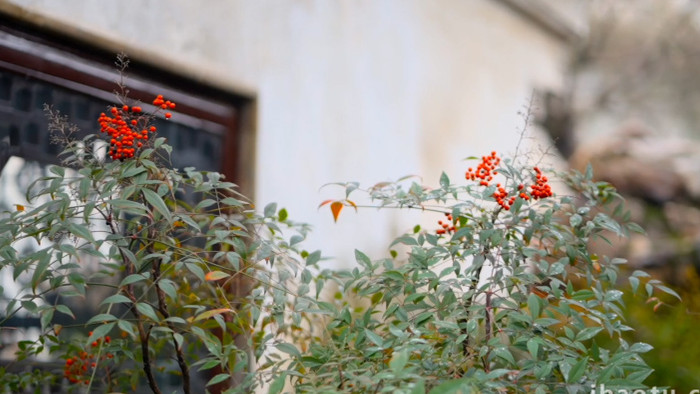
<point>129,291</point>
<point>163,308</point>
<point>145,334</point>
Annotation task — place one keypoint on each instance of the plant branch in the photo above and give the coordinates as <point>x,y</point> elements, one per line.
<point>129,291</point>
<point>163,308</point>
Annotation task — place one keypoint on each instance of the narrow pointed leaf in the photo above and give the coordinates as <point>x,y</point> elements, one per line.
<point>215,275</point>
<point>336,207</point>
<point>154,199</point>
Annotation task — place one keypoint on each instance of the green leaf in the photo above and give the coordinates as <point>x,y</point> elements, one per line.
<point>577,371</point>
<point>116,299</point>
<point>398,361</point>
<point>376,339</point>
<point>133,171</point>
<point>406,240</point>
<point>129,206</point>
<point>668,290</point>
<point>588,333</point>
<point>607,223</point>
<point>533,347</point>
<point>84,189</point>
<point>204,204</point>
<point>565,368</point>
<point>78,282</point>
<point>575,220</point>
<point>419,387</point>
<point>148,311</point>
<point>362,259</point>
<point>127,327</point>
<point>133,278</point>
<point>270,210</point>
<point>58,170</point>
<point>638,273</point>
<point>196,270</point>
<point>423,317</point>
<point>395,275</point>
<point>176,319</point>
<point>282,214</point>
<point>313,258</point>
<point>289,349</point>
<point>102,317</point>
<point>187,219</point>
<point>497,373</point>
<point>636,228</point>
<point>65,310</point>
<point>29,306</point>
<point>157,202</point>
<point>639,376</point>
<point>634,283</point>
<point>80,231</point>
<point>641,347</point>
<point>295,239</point>
<point>505,354</point>
<point>179,339</point>
<point>455,386</point>
<point>40,270</point>
<point>46,317</point>
<point>168,287</point>
<point>533,303</point>
<point>230,201</point>
<point>543,369</point>
<point>444,181</point>
<point>218,379</point>
<point>100,331</point>
<point>277,385</point>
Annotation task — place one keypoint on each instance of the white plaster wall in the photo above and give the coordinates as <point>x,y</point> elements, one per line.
<point>348,90</point>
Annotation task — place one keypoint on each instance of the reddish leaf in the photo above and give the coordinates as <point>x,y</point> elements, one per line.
<point>324,203</point>
<point>352,203</point>
<point>215,275</point>
<point>336,207</point>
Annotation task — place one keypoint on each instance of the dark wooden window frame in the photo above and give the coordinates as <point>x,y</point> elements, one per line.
<point>81,66</point>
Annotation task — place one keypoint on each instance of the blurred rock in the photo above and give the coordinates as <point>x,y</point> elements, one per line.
<point>661,190</point>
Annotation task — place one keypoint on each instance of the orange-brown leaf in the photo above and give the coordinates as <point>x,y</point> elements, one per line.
<point>352,203</point>
<point>324,203</point>
<point>336,207</point>
<point>20,207</point>
<point>215,275</point>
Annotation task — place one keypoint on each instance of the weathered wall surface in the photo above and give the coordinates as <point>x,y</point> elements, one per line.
<point>347,90</point>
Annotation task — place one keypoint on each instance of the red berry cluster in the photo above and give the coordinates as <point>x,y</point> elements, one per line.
<point>486,170</point>
<point>501,196</point>
<point>164,104</point>
<point>447,227</point>
<point>541,188</point>
<point>128,128</point>
<point>79,368</point>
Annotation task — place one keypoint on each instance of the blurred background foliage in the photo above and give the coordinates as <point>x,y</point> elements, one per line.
<point>630,108</point>
<point>672,330</point>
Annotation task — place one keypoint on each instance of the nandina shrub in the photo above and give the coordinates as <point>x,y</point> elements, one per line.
<point>177,260</point>
<point>502,295</point>
<point>192,282</point>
